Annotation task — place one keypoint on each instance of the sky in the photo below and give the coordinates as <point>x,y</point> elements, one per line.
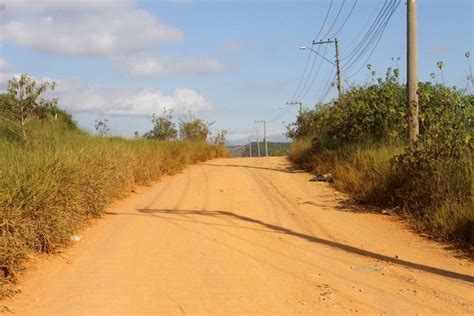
<point>227,62</point>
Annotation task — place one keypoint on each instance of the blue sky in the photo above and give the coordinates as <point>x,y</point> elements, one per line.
<point>231,62</point>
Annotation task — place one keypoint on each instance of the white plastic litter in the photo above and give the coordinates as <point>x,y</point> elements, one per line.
<point>76,237</point>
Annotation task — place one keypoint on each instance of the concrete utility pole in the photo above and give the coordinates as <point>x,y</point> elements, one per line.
<point>338,67</point>
<point>337,64</point>
<point>412,72</point>
<point>250,147</point>
<point>300,104</point>
<point>264,135</point>
<point>258,144</point>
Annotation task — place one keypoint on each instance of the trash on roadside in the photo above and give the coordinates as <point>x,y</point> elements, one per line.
<point>76,237</point>
<point>322,178</point>
<point>370,269</point>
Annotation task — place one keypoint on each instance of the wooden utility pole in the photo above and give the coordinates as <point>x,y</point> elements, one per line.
<point>412,72</point>
<point>337,64</point>
<point>264,135</point>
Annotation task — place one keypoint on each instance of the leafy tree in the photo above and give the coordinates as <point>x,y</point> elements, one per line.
<point>102,127</point>
<point>163,127</point>
<point>24,102</point>
<point>193,129</point>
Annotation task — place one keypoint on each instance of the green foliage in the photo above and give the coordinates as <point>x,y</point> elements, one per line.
<point>193,129</point>
<point>163,127</point>
<point>438,168</point>
<point>369,113</point>
<point>360,140</point>
<point>24,102</point>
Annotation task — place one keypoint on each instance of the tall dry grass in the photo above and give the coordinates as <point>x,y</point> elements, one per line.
<point>435,201</point>
<point>60,178</point>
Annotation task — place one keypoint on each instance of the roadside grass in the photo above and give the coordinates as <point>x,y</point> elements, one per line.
<point>434,201</point>
<point>56,181</point>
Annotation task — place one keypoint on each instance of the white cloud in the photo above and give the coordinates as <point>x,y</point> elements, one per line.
<point>157,67</point>
<point>93,31</point>
<point>15,6</point>
<point>74,96</point>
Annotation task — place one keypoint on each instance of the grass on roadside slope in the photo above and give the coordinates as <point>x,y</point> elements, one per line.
<point>368,175</point>
<point>52,185</point>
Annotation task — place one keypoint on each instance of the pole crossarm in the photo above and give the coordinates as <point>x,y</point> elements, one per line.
<point>323,42</point>
<point>337,63</point>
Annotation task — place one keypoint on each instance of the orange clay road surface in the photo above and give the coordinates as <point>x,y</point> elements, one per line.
<point>248,236</point>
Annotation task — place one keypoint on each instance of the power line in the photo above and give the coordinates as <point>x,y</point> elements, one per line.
<point>347,18</point>
<point>365,25</point>
<point>315,74</point>
<point>372,36</point>
<point>309,53</point>
<point>310,72</point>
<point>335,20</point>
<point>328,31</point>
<point>364,39</point>
<point>376,43</point>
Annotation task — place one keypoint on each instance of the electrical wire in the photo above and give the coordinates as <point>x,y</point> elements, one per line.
<point>376,43</point>
<point>371,38</point>
<point>364,39</point>
<point>301,95</point>
<point>316,73</point>
<point>328,31</point>
<point>310,53</point>
<point>337,17</point>
<point>372,15</point>
<point>345,20</point>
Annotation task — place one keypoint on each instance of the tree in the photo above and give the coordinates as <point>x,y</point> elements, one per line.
<point>25,101</point>
<point>193,129</point>
<point>220,138</point>
<point>102,127</point>
<point>163,127</point>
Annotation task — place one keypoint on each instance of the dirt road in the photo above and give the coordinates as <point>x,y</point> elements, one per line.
<point>246,236</point>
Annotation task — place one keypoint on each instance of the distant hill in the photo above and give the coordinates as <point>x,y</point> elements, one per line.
<point>274,149</point>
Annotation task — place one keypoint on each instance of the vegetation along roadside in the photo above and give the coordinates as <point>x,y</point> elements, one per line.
<point>55,177</point>
<point>361,140</point>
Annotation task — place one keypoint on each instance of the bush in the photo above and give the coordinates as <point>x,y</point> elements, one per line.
<point>163,127</point>
<point>360,141</point>
<point>193,130</point>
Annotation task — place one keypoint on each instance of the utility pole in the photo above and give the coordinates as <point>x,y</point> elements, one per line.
<point>337,64</point>
<point>250,147</point>
<point>264,135</point>
<point>258,144</point>
<point>300,104</point>
<point>412,72</point>
<point>338,67</point>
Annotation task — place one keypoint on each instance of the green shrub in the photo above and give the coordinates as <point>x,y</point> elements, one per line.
<point>360,141</point>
